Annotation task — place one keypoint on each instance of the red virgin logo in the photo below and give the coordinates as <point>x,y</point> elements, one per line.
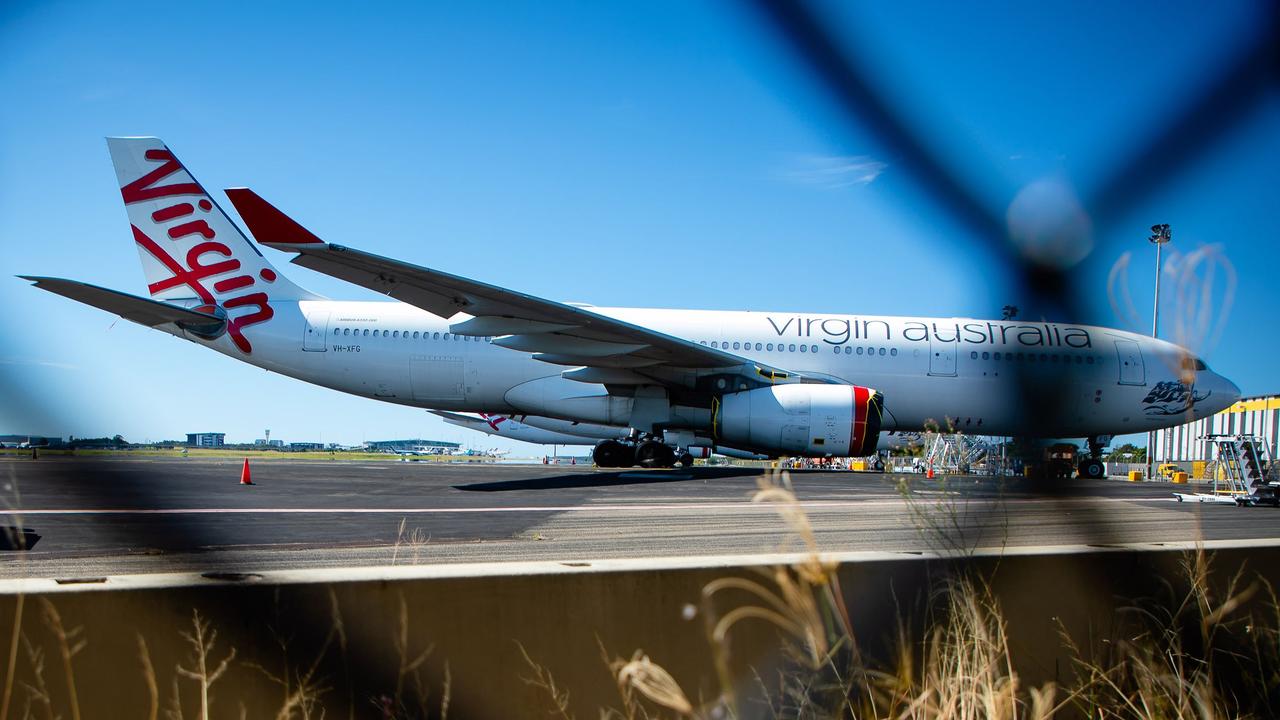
<point>206,260</point>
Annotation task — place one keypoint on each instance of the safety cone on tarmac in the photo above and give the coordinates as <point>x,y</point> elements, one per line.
<point>928,475</point>
<point>244,474</point>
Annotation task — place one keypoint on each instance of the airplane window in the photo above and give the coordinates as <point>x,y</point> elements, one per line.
<point>859,350</point>
<point>702,342</point>
<point>1055,357</point>
<point>1089,359</point>
<point>848,350</point>
<point>415,334</point>
<point>836,348</point>
<point>1022,356</point>
<point>804,348</point>
<point>445,336</point>
<point>1031,357</point>
<point>986,356</point>
<point>1044,357</point>
<point>366,332</point>
<point>759,346</point>
<point>792,347</point>
<point>882,351</point>
<point>893,352</point>
<point>769,347</point>
<point>973,355</point>
<point>395,334</point>
<point>715,344</point>
<point>736,346</point>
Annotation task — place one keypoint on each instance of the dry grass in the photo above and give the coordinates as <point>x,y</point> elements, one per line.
<point>414,542</point>
<point>1208,652</point>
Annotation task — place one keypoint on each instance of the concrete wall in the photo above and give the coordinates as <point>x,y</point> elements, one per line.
<point>474,624</point>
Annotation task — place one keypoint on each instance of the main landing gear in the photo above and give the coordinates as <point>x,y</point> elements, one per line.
<point>1092,467</point>
<point>645,452</point>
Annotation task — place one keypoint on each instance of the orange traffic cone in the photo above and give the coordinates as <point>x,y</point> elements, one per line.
<point>244,474</point>
<point>928,475</point>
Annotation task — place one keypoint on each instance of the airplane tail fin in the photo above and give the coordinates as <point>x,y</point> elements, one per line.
<point>188,246</point>
<point>190,249</point>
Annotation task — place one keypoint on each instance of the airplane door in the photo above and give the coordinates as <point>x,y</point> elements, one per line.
<point>1129,357</point>
<point>942,357</point>
<point>316,335</point>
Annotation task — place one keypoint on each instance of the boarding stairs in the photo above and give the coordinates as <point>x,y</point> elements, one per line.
<point>955,453</point>
<point>1243,472</point>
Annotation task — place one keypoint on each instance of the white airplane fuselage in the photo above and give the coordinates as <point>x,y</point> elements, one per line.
<point>964,374</point>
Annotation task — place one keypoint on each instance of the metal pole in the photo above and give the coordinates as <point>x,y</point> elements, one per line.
<point>1160,234</point>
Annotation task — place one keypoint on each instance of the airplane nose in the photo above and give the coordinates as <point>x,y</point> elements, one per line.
<point>1223,393</point>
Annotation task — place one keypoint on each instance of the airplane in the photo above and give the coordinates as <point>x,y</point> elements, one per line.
<point>766,383</point>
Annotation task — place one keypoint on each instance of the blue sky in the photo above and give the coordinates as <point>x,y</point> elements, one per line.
<point>543,146</point>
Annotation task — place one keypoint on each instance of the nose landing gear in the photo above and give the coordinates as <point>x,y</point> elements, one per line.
<point>1092,467</point>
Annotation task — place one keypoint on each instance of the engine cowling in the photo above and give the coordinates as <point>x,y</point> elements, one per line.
<point>801,419</point>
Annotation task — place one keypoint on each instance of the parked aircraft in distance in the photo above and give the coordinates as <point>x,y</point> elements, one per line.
<point>668,381</point>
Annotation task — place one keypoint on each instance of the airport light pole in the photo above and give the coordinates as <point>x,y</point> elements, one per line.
<point>1160,235</point>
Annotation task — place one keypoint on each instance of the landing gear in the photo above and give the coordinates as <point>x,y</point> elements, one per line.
<point>647,453</point>
<point>1092,467</point>
<point>655,454</point>
<point>613,454</point>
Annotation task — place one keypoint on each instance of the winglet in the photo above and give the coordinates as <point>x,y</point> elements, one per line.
<point>270,226</point>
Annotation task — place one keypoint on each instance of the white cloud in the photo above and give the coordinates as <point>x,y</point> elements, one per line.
<point>36,363</point>
<point>834,171</point>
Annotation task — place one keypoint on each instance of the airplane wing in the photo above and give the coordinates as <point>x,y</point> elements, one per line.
<point>600,348</point>
<point>143,311</point>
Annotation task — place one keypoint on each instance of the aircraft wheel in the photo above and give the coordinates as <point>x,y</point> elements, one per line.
<point>655,454</point>
<point>611,454</point>
<point>686,460</point>
<point>1092,469</point>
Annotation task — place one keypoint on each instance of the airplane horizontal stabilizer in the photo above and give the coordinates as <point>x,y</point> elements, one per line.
<point>143,311</point>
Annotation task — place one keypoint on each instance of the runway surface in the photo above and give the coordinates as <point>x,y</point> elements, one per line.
<point>118,516</point>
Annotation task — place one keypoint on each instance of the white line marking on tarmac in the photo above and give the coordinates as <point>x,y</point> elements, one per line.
<point>695,507</point>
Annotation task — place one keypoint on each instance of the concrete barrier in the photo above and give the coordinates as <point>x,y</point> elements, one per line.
<point>354,632</point>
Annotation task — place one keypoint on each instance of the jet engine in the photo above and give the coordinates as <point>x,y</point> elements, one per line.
<point>801,419</point>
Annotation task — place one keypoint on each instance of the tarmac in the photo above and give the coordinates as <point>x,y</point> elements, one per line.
<point>113,516</point>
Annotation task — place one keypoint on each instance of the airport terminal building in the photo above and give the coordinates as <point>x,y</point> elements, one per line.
<point>1255,416</point>
<point>206,439</point>
<point>410,445</point>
